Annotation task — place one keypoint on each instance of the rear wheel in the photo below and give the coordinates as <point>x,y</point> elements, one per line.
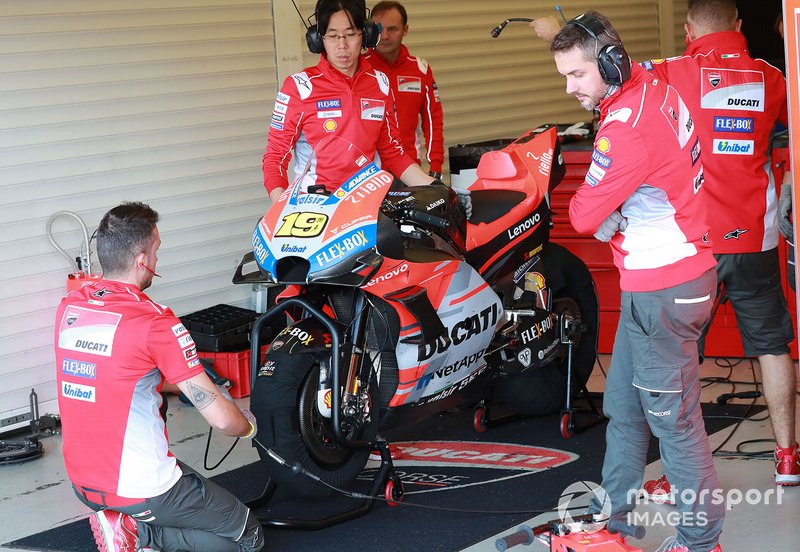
<point>541,391</point>
<point>290,424</point>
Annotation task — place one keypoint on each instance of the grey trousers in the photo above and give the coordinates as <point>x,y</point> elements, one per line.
<point>195,515</point>
<point>653,387</point>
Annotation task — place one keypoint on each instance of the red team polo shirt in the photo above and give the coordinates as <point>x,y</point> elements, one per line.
<point>736,101</point>
<point>646,163</point>
<point>113,346</point>
<point>321,101</point>
<point>417,99</point>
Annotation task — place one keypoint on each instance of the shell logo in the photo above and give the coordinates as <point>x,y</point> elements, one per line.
<point>329,125</point>
<point>603,145</point>
<point>327,398</point>
<point>535,281</point>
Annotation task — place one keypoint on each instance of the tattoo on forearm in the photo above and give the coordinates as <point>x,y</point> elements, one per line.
<point>200,396</point>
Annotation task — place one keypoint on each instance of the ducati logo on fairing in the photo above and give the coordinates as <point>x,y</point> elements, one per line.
<point>460,332</point>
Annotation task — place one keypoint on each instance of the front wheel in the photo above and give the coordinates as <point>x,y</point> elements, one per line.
<point>290,424</point>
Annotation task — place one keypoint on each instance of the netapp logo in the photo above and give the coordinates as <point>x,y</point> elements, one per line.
<point>77,391</point>
<point>733,147</point>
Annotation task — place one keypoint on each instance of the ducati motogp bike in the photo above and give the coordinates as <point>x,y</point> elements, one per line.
<point>398,308</point>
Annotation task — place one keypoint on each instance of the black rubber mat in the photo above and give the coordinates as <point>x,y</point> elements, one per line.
<point>461,487</point>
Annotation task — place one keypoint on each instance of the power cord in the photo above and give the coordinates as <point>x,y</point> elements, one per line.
<point>298,469</point>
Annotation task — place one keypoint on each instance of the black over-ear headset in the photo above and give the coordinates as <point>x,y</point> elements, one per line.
<point>612,59</point>
<point>370,34</point>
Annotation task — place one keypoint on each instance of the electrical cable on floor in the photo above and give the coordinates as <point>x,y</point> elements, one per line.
<point>297,469</point>
<point>718,452</point>
<point>208,448</point>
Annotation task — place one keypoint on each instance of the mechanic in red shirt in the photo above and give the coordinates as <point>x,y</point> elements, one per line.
<point>642,195</point>
<point>415,91</point>
<point>344,96</point>
<point>737,101</point>
<point>115,347</point>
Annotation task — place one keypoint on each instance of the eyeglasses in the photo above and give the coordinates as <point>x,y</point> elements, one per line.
<point>150,270</point>
<point>349,37</point>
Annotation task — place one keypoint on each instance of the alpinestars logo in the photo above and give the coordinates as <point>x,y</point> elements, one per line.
<point>734,234</point>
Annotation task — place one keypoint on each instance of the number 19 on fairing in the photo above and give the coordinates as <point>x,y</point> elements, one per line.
<point>302,225</point>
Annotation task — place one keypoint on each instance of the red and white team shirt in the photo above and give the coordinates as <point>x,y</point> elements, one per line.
<point>417,99</point>
<point>736,101</point>
<point>114,346</point>
<point>321,101</point>
<point>646,164</point>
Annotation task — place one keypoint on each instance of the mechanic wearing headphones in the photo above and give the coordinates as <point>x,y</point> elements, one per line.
<point>343,95</point>
<point>412,82</point>
<point>114,349</point>
<point>641,195</point>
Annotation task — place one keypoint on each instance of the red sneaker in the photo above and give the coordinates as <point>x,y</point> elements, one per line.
<point>658,491</point>
<point>787,465</point>
<point>114,531</point>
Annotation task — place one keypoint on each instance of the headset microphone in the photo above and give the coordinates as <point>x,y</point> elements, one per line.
<point>499,29</point>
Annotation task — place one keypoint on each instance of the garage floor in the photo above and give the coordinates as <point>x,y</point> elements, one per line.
<point>35,496</point>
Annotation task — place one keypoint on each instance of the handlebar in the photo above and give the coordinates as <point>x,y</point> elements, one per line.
<point>616,525</point>
<point>426,218</point>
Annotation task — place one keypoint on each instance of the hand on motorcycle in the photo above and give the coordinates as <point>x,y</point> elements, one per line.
<point>463,195</point>
<point>613,224</point>
<point>785,211</point>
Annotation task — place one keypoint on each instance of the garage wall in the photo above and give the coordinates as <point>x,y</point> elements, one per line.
<point>500,88</point>
<point>163,101</point>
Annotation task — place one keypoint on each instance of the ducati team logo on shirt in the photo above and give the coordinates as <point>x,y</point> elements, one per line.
<point>409,84</point>
<point>740,90</point>
<point>372,110</point>
<point>88,331</point>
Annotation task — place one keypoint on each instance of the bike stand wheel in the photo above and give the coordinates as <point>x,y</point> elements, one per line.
<point>479,419</point>
<point>567,425</point>
<point>393,492</point>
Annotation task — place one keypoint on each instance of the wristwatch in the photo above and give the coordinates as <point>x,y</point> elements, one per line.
<point>436,175</point>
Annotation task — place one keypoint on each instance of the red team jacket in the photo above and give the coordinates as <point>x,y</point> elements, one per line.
<point>646,163</point>
<point>416,95</point>
<point>321,101</point>
<point>112,346</point>
<point>736,101</point>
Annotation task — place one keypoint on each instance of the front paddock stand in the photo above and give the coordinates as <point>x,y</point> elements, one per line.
<point>385,484</point>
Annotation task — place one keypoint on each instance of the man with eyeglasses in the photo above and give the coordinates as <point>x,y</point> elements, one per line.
<point>413,84</point>
<point>343,96</point>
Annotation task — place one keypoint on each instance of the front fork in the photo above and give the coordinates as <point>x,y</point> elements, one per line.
<point>356,383</point>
